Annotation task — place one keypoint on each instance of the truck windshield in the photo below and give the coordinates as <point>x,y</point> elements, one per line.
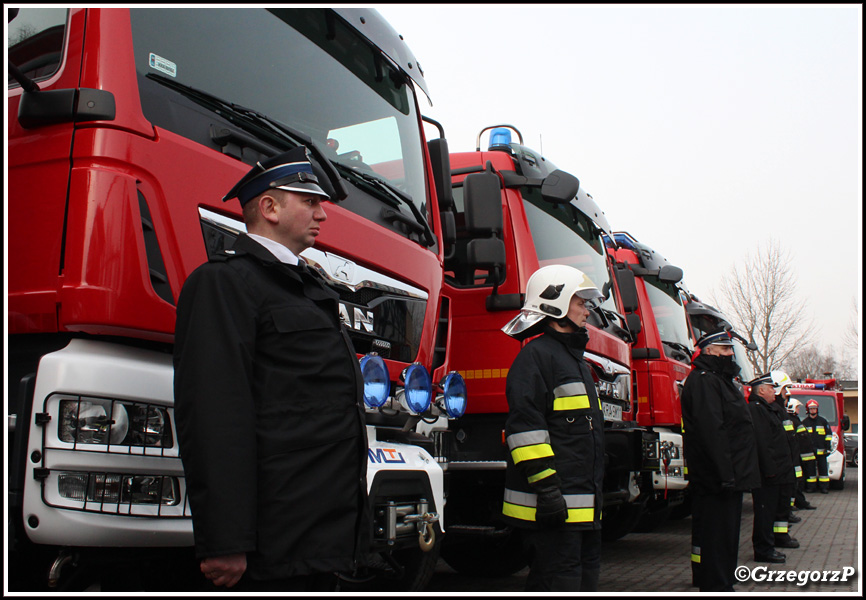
<point>670,315</point>
<point>747,373</point>
<point>826,406</point>
<point>563,235</point>
<point>304,68</point>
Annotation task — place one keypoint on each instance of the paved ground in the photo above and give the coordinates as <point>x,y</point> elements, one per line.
<point>659,561</point>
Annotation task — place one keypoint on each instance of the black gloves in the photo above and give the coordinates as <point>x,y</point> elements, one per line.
<point>551,510</point>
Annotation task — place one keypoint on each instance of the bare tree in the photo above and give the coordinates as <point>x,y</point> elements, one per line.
<point>760,297</point>
<point>811,362</point>
<point>851,335</point>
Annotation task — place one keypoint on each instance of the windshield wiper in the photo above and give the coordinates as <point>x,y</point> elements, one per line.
<point>396,197</point>
<point>677,346</point>
<point>258,123</point>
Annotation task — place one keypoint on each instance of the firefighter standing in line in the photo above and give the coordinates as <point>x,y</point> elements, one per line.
<point>719,444</point>
<point>772,500</point>
<point>821,434</point>
<point>555,435</point>
<point>268,395</point>
<point>804,451</point>
<point>781,382</point>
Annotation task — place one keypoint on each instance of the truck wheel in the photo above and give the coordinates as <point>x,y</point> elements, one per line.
<point>619,521</point>
<point>653,519</point>
<point>838,484</point>
<point>499,556</point>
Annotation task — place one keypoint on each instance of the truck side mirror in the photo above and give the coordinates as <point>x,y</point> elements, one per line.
<point>670,274</point>
<point>441,163</point>
<point>559,187</point>
<point>632,320</point>
<point>627,289</point>
<point>482,204</point>
<point>846,423</point>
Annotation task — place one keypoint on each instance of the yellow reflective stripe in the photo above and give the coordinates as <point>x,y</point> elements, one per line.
<point>524,513</point>
<point>539,476</point>
<point>810,456</point>
<point>819,430</point>
<point>780,527</point>
<point>571,403</point>
<point>531,452</point>
<point>823,479</point>
<point>789,426</point>
<point>696,558</point>
<point>580,515</point>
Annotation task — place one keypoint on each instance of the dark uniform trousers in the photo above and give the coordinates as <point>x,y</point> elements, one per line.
<point>562,560</point>
<point>771,516</point>
<point>716,540</point>
<point>817,473</point>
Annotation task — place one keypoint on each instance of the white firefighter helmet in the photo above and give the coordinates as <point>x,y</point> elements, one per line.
<point>780,381</point>
<point>548,294</point>
<point>794,405</point>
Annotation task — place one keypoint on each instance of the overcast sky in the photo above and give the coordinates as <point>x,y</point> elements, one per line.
<point>703,130</point>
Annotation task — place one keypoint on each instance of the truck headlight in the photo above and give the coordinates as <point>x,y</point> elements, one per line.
<point>454,395</point>
<point>116,488</point>
<point>131,423</point>
<point>377,381</point>
<point>418,388</point>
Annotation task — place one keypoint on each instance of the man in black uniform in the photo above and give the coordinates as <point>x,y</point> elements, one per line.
<point>772,499</point>
<point>822,436</point>
<point>555,435</point>
<point>719,444</point>
<point>268,399</point>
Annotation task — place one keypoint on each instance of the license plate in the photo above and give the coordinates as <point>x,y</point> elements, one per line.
<point>612,412</point>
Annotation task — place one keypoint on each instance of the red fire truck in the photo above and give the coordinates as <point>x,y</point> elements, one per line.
<point>126,128</point>
<point>654,300</point>
<point>831,406</point>
<point>515,212</point>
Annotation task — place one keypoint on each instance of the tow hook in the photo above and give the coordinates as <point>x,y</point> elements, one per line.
<point>61,561</point>
<point>426,533</point>
<point>403,518</point>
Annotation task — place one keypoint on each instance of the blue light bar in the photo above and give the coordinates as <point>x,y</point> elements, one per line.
<point>377,382</point>
<point>418,388</point>
<point>454,390</point>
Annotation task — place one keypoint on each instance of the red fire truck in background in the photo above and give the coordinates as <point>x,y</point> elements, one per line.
<point>125,131</point>
<point>654,301</point>
<point>515,212</point>
<point>831,406</point>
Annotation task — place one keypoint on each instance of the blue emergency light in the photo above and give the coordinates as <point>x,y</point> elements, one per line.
<point>454,392</point>
<point>500,138</point>
<point>377,382</point>
<point>418,388</point>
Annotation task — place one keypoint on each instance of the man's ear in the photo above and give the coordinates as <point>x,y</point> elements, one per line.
<point>267,206</point>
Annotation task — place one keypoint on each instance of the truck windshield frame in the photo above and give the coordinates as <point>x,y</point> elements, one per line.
<point>565,236</point>
<point>671,319</point>
<point>362,112</point>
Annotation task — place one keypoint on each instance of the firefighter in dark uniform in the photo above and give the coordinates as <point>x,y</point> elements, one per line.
<point>268,399</point>
<point>554,432</point>
<point>719,444</point>
<point>771,501</point>
<point>822,436</point>
<point>805,453</point>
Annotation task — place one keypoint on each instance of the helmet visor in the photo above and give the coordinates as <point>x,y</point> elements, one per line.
<point>522,323</point>
<point>592,296</point>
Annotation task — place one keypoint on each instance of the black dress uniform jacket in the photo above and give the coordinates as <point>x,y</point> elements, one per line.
<point>774,449</point>
<point>554,431</point>
<point>718,437</point>
<point>269,417</point>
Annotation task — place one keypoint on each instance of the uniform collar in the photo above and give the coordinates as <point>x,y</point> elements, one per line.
<point>280,252</point>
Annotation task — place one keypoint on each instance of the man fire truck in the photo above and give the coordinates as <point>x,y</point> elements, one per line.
<point>126,128</point>
<point>516,212</point>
